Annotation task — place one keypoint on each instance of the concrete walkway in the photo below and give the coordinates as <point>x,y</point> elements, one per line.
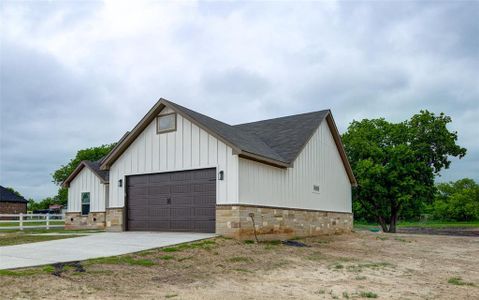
<point>91,246</point>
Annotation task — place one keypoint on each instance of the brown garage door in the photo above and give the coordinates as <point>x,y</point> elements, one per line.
<point>176,201</point>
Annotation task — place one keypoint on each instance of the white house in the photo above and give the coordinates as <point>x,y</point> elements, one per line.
<point>179,170</point>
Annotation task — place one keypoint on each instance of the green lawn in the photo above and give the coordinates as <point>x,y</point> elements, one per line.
<point>422,224</point>
<point>28,223</point>
<point>16,238</point>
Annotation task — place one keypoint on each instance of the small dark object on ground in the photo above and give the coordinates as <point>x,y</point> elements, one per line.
<point>60,267</point>
<point>294,243</point>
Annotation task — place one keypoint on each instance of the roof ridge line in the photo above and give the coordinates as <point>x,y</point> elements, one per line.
<point>283,117</point>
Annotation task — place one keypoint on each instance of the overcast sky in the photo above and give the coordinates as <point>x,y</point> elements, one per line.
<point>80,74</point>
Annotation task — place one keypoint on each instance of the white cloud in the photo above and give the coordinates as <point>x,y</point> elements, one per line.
<point>70,64</point>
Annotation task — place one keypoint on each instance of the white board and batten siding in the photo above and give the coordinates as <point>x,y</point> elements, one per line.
<point>319,163</point>
<point>187,148</point>
<point>87,181</point>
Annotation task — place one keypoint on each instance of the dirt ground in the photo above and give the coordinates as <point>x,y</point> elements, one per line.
<point>356,265</point>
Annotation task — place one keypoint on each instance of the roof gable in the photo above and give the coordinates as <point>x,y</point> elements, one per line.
<point>93,166</point>
<point>276,141</point>
<point>8,196</point>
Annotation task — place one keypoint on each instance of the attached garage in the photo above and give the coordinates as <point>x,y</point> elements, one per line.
<point>173,201</point>
<point>182,171</point>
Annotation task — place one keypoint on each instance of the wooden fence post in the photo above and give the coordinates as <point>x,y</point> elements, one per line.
<point>48,221</point>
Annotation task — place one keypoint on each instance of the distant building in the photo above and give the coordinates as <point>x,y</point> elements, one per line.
<point>11,203</point>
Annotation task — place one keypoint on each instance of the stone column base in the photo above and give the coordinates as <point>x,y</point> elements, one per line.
<point>94,220</point>
<point>272,223</point>
<point>115,219</point>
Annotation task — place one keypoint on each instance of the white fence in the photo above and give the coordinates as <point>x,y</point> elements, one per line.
<point>27,221</point>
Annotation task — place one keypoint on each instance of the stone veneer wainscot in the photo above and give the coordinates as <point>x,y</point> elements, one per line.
<point>278,223</point>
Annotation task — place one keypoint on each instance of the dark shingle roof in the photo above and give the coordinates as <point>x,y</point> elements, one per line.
<point>95,167</point>
<point>8,196</point>
<point>279,139</point>
<point>244,140</point>
<point>286,135</point>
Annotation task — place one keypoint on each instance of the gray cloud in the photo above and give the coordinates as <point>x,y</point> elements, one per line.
<point>79,74</point>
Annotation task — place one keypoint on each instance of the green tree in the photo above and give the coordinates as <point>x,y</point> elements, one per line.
<point>14,191</point>
<point>395,163</point>
<point>60,175</point>
<point>457,201</point>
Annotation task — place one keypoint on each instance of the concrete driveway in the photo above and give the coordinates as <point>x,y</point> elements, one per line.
<point>91,246</point>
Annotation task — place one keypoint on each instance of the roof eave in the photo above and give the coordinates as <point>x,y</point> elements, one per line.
<point>77,170</point>
<point>262,159</point>
<point>341,150</point>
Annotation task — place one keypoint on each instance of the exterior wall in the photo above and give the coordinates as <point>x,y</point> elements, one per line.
<point>318,164</point>
<point>115,219</point>
<point>278,223</point>
<point>94,220</point>
<point>189,147</point>
<point>13,208</point>
<point>87,181</point>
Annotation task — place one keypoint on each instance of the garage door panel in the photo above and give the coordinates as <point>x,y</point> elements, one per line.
<point>181,200</point>
<point>158,189</point>
<point>138,213</point>
<point>158,178</point>
<point>158,212</point>
<point>138,225</point>
<point>203,187</point>
<point>181,225</point>
<point>159,225</point>
<point>136,191</point>
<point>181,188</point>
<point>158,200</point>
<point>181,176</point>
<point>177,201</point>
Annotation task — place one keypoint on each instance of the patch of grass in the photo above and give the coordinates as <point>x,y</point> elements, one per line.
<point>382,238</point>
<point>402,240</point>
<point>249,242</point>
<point>94,272</point>
<point>27,272</point>
<point>374,266</point>
<point>280,264</point>
<point>273,242</point>
<point>147,253</point>
<point>360,277</point>
<point>423,224</point>
<point>18,238</point>
<point>459,281</point>
<point>184,258</point>
<point>345,295</point>
<point>368,295</point>
<point>237,259</point>
<point>336,266</point>
<point>315,256</point>
<point>166,257</point>
<point>321,292</point>
<point>27,223</point>
<point>171,296</point>
<point>122,260</point>
<point>170,249</point>
<point>205,244</point>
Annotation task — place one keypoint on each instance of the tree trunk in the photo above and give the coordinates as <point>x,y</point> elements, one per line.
<point>383,224</point>
<point>393,221</point>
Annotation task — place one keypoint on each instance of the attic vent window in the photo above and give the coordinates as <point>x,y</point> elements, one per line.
<point>316,188</point>
<point>166,123</point>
